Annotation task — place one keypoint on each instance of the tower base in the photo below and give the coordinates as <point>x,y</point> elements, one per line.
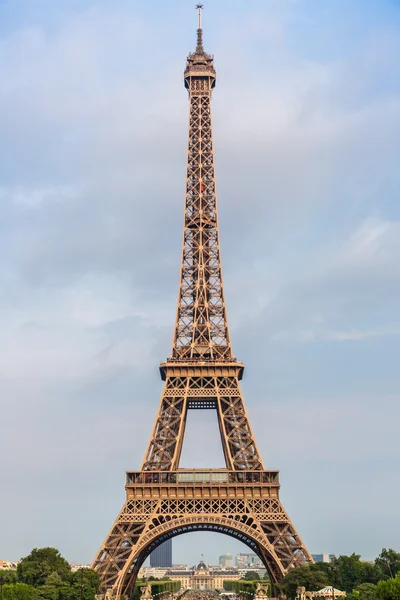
<point>160,505</point>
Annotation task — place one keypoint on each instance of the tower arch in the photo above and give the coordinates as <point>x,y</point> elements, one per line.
<point>242,530</point>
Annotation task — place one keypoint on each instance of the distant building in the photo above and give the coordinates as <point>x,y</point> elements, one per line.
<point>249,560</point>
<point>156,572</point>
<point>6,565</point>
<point>75,568</point>
<point>226,561</point>
<point>162,555</point>
<point>324,557</point>
<point>202,577</point>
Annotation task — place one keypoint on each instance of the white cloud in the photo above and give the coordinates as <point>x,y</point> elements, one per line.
<point>374,244</point>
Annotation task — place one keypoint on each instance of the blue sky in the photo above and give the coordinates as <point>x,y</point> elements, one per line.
<point>93,133</point>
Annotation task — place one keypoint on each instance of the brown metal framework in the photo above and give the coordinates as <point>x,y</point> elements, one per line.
<point>162,500</point>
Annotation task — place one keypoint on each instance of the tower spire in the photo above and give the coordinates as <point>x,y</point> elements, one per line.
<point>201,326</point>
<point>199,47</point>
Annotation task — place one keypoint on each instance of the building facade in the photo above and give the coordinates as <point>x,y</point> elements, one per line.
<point>324,557</point>
<point>202,577</point>
<point>155,572</point>
<point>226,561</point>
<point>75,568</point>
<point>248,561</point>
<point>7,565</point>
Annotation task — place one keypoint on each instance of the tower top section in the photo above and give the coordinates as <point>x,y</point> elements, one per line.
<point>199,64</point>
<point>199,47</point>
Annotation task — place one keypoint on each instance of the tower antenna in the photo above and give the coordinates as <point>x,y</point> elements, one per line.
<point>199,9</point>
<point>199,47</point>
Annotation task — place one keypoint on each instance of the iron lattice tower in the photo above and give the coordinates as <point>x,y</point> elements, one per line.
<point>163,500</point>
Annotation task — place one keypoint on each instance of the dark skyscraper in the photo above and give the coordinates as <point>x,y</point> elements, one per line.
<point>162,556</point>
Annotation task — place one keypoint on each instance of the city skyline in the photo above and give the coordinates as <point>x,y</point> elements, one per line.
<point>242,560</point>
<point>86,319</point>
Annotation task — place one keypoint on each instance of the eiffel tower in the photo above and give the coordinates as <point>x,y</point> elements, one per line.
<point>162,500</point>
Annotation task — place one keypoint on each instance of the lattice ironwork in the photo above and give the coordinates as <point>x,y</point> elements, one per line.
<point>241,500</point>
<point>201,325</point>
<point>262,524</point>
<point>221,393</point>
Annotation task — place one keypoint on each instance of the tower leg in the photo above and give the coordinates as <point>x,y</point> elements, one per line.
<point>250,513</point>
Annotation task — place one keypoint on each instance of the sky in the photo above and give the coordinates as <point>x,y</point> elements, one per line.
<point>93,134</point>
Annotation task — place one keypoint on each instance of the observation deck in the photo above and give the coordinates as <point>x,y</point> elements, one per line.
<point>221,367</point>
<point>202,483</point>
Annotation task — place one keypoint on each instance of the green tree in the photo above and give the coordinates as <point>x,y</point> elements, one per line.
<point>347,572</point>
<point>40,563</point>
<point>310,576</point>
<point>250,576</point>
<point>54,588</point>
<point>241,587</point>
<point>18,591</point>
<point>8,576</point>
<point>388,589</point>
<point>364,591</point>
<point>331,571</point>
<point>372,573</point>
<point>388,562</point>
<point>84,585</point>
<point>47,592</point>
<point>350,572</point>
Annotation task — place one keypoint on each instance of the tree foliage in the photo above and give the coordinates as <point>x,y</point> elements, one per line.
<point>18,591</point>
<point>241,585</point>
<point>8,576</point>
<point>364,591</point>
<point>350,571</point>
<point>361,580</point>
<point>250,576</point>
<point>312,577</point>
<point>39,564</point>
<point>388,562</point>
<point>388,589</point>
<point>84,584</point>
<point>54,588</point>
<point>45,575</point>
